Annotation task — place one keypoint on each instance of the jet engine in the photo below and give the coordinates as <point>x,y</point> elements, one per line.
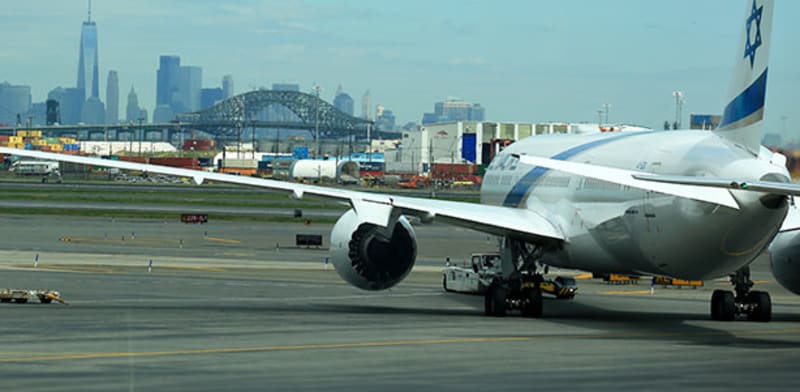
<point>372,257</point>
<point>784,258</point>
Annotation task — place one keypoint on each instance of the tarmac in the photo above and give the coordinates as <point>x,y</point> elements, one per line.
<point>227,309</point>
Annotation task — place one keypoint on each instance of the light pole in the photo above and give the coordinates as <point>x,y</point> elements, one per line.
<point>599,117</point>
<point>253,131</point>
<point>605,107</point>
<point>317,88</point>
<point>678,103</point>
<point>141,134</point>
<point>182,142</point>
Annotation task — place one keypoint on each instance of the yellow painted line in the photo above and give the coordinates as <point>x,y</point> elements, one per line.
<point>262,349</point>
<point>76,268</point>
<point>391,343</point>
<point>632,292</point>
<point>197,268</point>
<point>223,240</point>
<point>583,276</point>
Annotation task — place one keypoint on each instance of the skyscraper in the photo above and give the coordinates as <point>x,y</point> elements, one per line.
<point>227,86</point>
<point>190,82</point>
<point>210,96</point>
<point>112,98</point>
<point>88,72</point>
<point>132,111</point>
<point>167,79</point>
<point>14,100</point>
<point>343,101</point>
<point>366,105</point>
<point>70,102</point>
<point>454,109</point>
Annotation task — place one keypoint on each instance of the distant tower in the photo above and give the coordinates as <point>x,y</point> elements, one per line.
<point>227,86</point>
<point>343,101</point>
<point>190,82</point>
<point>167,80</point>
<point>132,111</point>
<point>366,105</point>
<point>112,98</point>
<point>88,73</point>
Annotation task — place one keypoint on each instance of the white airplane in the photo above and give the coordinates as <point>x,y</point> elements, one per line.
<point>685,204</point>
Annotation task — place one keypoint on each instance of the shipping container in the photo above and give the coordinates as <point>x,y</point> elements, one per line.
<point>134,159</point>
<point>4,138</point>
<point>198,145</point>
<point>186,163</point>
<point>240,163</point>
<point>242,171</point>
<point>451,170</point>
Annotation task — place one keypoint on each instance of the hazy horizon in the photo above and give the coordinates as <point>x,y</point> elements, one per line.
<point>521,60</point>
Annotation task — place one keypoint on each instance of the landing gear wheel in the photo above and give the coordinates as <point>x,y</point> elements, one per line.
<point>444,283</point>
<point>495,300</point>
<point>761,306</point>
<point>533,303</point>
<point>723,306</point>
<point>488,302</point>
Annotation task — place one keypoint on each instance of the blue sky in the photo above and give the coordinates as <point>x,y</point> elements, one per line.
<point>522,60</point>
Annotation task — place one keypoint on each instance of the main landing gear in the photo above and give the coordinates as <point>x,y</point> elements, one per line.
<point>756,305</point>
<point>518,286</point>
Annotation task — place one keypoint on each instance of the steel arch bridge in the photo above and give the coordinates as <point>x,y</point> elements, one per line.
<point>250,109</point>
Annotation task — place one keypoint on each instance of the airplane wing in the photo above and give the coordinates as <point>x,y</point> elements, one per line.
<point>779,188</point>
<point>376,208</point>
<point>636,179</point>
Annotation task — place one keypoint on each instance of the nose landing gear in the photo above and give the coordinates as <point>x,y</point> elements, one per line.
<point>756,305</point>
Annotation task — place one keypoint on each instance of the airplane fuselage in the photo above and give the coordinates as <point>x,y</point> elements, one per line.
<point>616,228</point>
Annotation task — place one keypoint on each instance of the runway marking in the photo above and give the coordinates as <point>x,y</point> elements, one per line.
<point>632,292</point>
<point>223,240</point>
<point>71,268</point>
<point>389,343</point>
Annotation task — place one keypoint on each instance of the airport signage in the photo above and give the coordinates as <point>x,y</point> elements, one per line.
<point>194,218</point>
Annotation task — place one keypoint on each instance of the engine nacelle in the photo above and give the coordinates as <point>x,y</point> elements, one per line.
<point>371,257</point>
<point>784,258</point>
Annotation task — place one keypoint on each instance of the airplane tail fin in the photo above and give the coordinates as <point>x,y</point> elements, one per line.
<point>742,121</point>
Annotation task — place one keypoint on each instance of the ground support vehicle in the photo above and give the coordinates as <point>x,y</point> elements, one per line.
<point>485,268</point>
<point>22,296</point>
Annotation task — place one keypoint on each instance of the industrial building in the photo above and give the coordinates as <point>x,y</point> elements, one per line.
<point>470,142</point>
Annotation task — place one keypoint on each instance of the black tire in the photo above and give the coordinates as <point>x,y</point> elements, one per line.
<point>5,300</point>
<point>488,301</point>
<point>723,307</point>
<point>762,306</point>
<point>21,300</point>
<point>533,303</point>
<point>444,282</point>
<point>499,295</point>
<point>46,300</point>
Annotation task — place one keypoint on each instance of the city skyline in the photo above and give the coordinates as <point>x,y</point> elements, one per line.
<point>521,67</point>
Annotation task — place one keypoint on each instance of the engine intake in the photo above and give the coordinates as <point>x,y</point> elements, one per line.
<point>371,257</point>
<point>784,258</point>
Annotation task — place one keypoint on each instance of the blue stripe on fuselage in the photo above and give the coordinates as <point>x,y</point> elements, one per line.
<point>520,189</point>
<point>748,102</point>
